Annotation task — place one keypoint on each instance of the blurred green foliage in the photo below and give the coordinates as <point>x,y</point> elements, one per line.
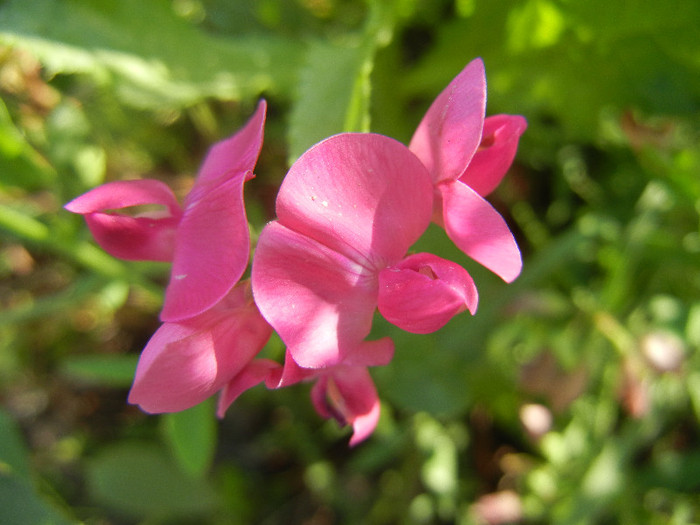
<point>571,397</point>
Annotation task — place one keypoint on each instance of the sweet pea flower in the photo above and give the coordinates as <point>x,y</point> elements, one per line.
<point>348,211</point>
<point>344,392</point>
<point>207,239</point>
<point>188,361</point>
<point>467,156</point>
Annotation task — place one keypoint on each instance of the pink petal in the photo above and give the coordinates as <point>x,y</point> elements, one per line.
<point>450,131</point>
<point>347,394</point>
<point>134,238</point>
<point>185,363</point>
<point>365,196</point>
<point>238,153</point>
<point>211,251</point>
<point>289,374</point>
<point>139,237</point>
<point>319,302</point>
<point>479,230</point>
<point>423,292</point>
<point>213,242</point>
<point>495,154</point>
<point>371,353</point>
<point>256,372</point>
<point>123,194</point>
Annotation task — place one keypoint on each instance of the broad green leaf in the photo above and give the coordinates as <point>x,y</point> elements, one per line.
<point>140,480</point>
<point>153,57</point>
<point>326,85</point>
<point>192,437</point>
<point>334,84</point>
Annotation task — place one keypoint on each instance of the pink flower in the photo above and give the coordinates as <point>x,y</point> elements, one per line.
<point>348,210</point>
<point>344,392</point>
<point>207,239</point>
<point>188,361</point>
<point>467,156</point>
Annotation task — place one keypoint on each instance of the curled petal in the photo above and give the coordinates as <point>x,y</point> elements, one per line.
<point>347,394</point>
<point>479,230</point>
<point>237,154</point>
<point>423,292</point>
<point>365,196</point>
<point>124,194</point>
<point>450,131</point>
<point>319,302</point>
<point>496,152</point>
<point>213,241</point>
<point>185,363</point>
<point>134,238</point>
<point>212,249</point>
<point>148,236</point>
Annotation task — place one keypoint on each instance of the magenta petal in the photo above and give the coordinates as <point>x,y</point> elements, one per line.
<point>423,292</point>
<point>450,131</point>
<point>138,237</point>
<point>238,153</point>
<point>495,154</point>
<point>134,238</point>
<point>211,251</point>
<point>479,230</point>
<point>177,370</point>
<point>123,194</point>
<point>185,363</point>
<point>347,393</point>
<point>319,302</point>
<point>256,372</point>
<point>288,374</point>
<point>363,195</point>
<point>372,353</point>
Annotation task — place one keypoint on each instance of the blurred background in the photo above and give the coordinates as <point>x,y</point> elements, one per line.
<point>571,397</point>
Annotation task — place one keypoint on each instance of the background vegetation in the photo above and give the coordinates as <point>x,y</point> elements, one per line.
<point>572,397</point>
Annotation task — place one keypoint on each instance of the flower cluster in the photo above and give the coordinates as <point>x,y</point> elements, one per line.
<point>348,211</point>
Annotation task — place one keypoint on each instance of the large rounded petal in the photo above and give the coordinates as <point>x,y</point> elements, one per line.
<point>450,131</point>
<point>148,236</point>
<point>363,195</point>
<point>211,251</point>
<point>238,153</point>
<point>479,230</point>
<point>423,292</point>
<point>496,152</point>
<point>320,302</point>
<point>185,363</point>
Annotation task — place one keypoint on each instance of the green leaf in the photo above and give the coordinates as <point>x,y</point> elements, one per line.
<point>139,480</point>
<point>113,371</point>
<point>192,437</point>
<point>334,85</point>
<point>20,164</point>
<point>13,453</point>
<point>166,63</point>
